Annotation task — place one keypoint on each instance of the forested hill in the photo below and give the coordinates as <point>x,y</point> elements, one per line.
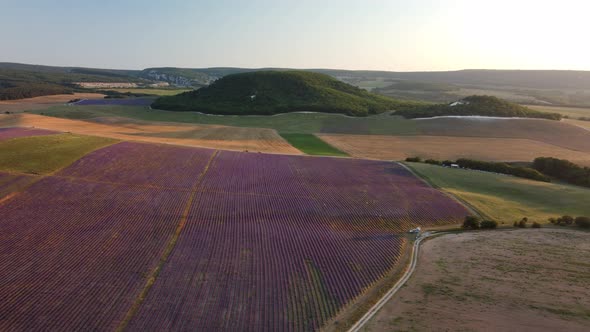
<point>272,92</point>
<point>479,106</point>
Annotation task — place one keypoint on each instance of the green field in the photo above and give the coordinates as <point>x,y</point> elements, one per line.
<point>506,198</point>
<point>46,154</point>
<point>150,91</point>
<point>305,123</point>
<point>312,145</point>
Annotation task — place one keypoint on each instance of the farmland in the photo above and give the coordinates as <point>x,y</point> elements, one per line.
<point>265,241</point>
<point>46,154</point>
<point>39,103</point>
<point>506,198</point>
<point>563,134</point>
<point>448,148</point>
<point>312,145</point>
<point>209,136</point>
<point>523,280</point>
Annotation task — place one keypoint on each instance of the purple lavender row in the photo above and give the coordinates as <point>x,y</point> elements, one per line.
<point>10,183</point>
<point>262,263</point>
<point>142,164</point>
<point>282,243</point>
<point>74,255</point>
<point>8,133</point>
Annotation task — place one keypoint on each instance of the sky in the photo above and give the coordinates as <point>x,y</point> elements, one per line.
<point>417,35</point>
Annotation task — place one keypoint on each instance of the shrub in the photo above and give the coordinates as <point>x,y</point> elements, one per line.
<point>522,222</point>
<point>536,225</point>
<point>515,224</point>
<point>432,162</point>
<point>489,224</point>
<point>471,222</point>
<point>552,220</point>
<point>448,162</point>
<point>414,159</point>
<point>583,222</point>
<point>565,220</point>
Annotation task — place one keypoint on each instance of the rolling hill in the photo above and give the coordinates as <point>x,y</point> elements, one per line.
<point>272,92</point>
<point>480,106</point>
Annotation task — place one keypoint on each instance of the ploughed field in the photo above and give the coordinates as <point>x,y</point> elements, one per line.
<point>154,237</point>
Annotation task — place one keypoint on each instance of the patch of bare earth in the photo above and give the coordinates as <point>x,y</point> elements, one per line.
<point>38,103</point>
<point>207,136</point>
<point>445,147</point>
<point>521,280</point>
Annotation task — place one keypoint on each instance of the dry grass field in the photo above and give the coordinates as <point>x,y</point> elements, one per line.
<point>208,136</point>
<point>557,133</point>
<point>521,280</point>
<point>39,103</point>
<point>572,112</point>
<point>443,147</point>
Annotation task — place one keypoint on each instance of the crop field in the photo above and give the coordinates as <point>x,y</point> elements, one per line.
<point>571,112</point>
<point>8,133</point>
<point>312,145</point>
<point>562,133</point>
<point>10,183</point>
<point>506,198</point>
<point>116,101</point>
<point>46,154</point>
<point>239,240</point>
<point>551,132</point>
<point>521,280</point>
<point>157,92</point>
<point>449,148</point>
<point>208,136</point>
<point>43,102</point>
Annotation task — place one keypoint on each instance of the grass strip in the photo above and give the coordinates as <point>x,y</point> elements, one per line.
<point>312,145</point>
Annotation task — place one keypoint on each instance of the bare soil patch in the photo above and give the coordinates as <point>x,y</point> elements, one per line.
<point>444,147</point>
<point>521,280</point>
<point>208,136</point>
<point>38,103</point>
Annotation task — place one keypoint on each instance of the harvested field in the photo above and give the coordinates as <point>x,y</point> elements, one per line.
<point>39,103</point>
<point>572,112</point>
<point>154,237</point>
<point>208,136</point>
<point>523,280</point>
<point>556,133</point>
<point>449,148</point>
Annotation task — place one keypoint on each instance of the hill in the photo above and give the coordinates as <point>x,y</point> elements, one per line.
<point>272,92</point>
<point>477,105</point>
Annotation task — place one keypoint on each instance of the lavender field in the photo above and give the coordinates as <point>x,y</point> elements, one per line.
<point>116,101</point>
<point>263,242</point>
<point>8,133</point>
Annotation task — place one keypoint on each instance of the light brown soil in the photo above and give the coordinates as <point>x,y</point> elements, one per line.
<point>521,280</point>
<point>43,102</point>
<point>452,148</point>
<point>208,136</point>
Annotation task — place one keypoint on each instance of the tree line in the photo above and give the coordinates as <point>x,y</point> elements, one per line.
<point>563,170</point>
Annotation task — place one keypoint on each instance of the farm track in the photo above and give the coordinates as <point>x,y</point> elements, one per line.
<point>411,268</point>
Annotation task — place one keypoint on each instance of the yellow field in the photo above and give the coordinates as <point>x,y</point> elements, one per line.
<point>445,147</point>
<point>208,136</point>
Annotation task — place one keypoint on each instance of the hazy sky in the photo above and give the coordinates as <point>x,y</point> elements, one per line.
<point>349,34</point>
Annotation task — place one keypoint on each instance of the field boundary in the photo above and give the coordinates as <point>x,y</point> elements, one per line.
<point>410,270</point>
<point>167,251</point>
<point>461,201</point>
